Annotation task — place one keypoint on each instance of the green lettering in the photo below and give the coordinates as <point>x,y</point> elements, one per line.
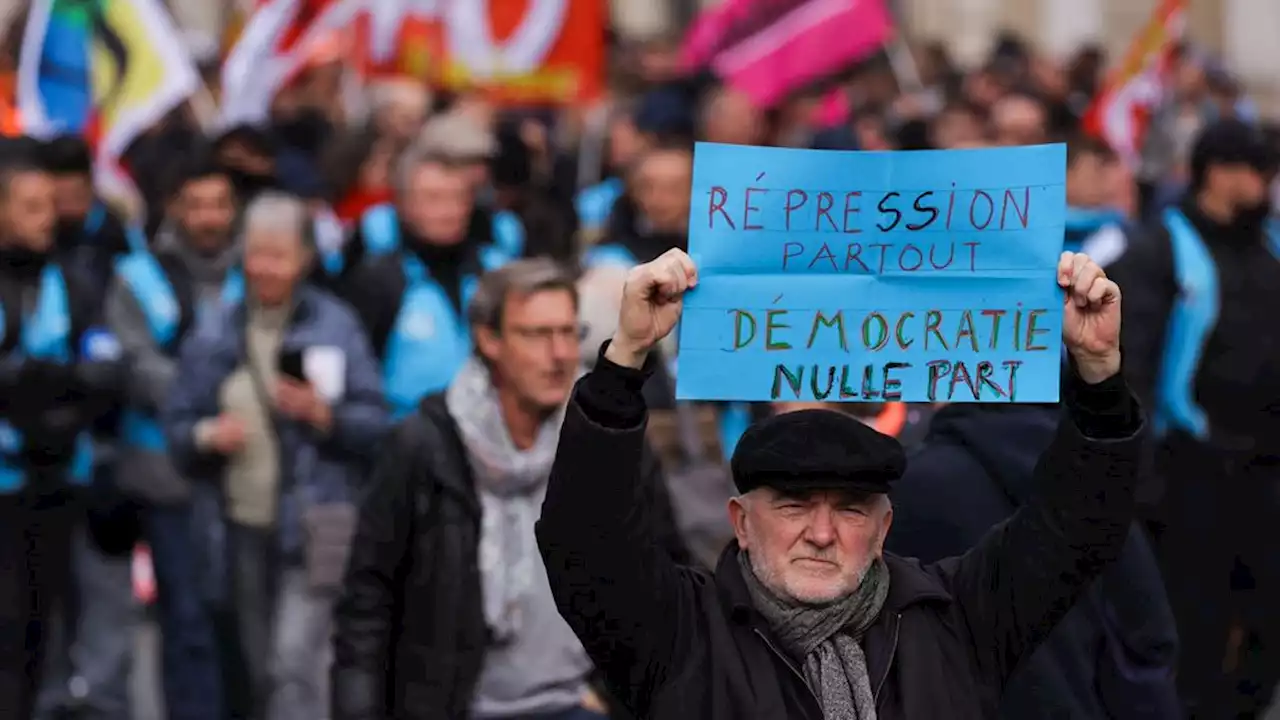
<point>1033,331</point>
<point>770,325</point>
<point>738,317</point>
<point>793,380</point>
<point>818,393</point>
<point>835,321</point>
<point>882,331</point>
<point>966,330</point>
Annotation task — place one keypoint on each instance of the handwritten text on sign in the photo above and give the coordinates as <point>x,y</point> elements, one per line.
<point>914,276</point>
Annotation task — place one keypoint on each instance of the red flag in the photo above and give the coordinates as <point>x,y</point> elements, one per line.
<point>1121,111</point>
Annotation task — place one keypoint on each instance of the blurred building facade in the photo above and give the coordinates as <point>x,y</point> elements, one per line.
<point>1244,33</point>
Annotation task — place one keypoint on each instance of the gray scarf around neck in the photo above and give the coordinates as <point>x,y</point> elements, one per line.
<point>827,638</point>
<point>510,484</point>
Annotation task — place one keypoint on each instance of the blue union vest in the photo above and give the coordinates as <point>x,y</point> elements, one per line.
<point>380,230</point>
<point>46,336</point>
<point>429,340</point>
<point>1192,319</point>
<point>151,286</point>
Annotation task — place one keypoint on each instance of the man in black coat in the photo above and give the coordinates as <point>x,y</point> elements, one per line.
<point>805,616</point>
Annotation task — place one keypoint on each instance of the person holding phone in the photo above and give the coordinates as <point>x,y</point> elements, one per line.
<point>277,407</point>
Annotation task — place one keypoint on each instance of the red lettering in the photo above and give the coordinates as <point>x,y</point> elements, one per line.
<point>719,196</point>
<point>902,258</point>
<point>850,210</point>
<point>748,208</point>
<point>884,254</point>
<point>787,254</point>
<point>824,253</point>
<point>973,204</point>
<point>825,203</point>
<point>1023,213</point>
<point>932,323</point>
<point>851,256</point>
<point>790,208</point>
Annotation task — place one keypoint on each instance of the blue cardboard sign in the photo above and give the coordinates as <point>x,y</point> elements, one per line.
<point>923,276</point>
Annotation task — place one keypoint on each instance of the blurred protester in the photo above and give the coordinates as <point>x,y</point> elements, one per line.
<point>1195,288</point>
<point>59,374</point>
<point>249,156</point>
<point>1085,75</point>
<point>357,170</point>
<point>411,301</point>
<point>90,647</point>
<point>90,236</point>
<point>473,147</point>
<point>156,157</point>
<point>544,212</point>
<point>728,116</point>
<point>1113,655</point>
<point>399,108</point>
<point>623,143</point>
<point>1096,223</point>
<point>1175,124</point>
<point>468,149</point>
<point>153,305</point>
<point>446,611</point>
<point>805,616</point>
<point>1019,119</point>
<point>650,219</point>
<point>958,124</point>
<point>277,407</point>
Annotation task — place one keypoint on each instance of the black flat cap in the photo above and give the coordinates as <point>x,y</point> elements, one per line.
<point>816,449</point>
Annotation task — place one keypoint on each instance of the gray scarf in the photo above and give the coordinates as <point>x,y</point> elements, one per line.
<point>826,638</point>
<point>510,484</point>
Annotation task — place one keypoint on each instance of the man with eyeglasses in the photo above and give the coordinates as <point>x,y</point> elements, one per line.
<point>446,610</point>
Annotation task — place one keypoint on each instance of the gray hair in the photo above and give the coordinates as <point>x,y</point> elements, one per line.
<point>414,157</point>
<point>517,279</point>
<point>277,212</point>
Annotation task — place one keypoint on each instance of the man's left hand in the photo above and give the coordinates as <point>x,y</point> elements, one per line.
<point>1090,317</point>
<point>300,401</point>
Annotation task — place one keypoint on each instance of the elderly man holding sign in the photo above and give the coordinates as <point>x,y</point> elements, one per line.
<point>805,616</point>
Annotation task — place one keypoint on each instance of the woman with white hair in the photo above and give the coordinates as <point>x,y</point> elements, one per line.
<point>276,408</point>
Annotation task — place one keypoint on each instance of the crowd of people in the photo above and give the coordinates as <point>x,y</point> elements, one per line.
<point>323,380</point>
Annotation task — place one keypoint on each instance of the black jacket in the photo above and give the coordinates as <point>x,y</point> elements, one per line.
<point>1237,382</point>
<point>1113,655</point>
<point>676,643</point>
<point>410,631</point>
<point>92,253</point>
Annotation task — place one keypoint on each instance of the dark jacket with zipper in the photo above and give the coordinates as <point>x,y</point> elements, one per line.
<point>679,643</point>
<point>410,635</point>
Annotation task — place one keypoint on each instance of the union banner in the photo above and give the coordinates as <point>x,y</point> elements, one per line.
<point>520,51</point>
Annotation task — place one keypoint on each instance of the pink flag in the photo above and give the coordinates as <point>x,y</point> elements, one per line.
<point>791,50</point>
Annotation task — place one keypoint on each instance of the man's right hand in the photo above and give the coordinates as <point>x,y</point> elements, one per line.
<point>652,300</point>
<point>226,434</point>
